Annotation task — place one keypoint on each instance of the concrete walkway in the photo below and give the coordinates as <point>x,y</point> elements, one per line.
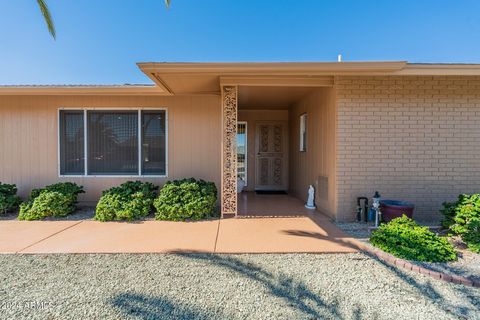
<point>314,234</point>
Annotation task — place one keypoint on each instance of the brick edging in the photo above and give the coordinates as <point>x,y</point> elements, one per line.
<point>405,264</point>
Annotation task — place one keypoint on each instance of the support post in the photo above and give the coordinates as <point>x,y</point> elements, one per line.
<point>229,151</point>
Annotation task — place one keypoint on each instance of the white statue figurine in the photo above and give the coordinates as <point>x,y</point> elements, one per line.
<point>311,196</point>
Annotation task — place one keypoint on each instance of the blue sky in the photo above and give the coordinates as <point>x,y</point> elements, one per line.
<point>99,41</point>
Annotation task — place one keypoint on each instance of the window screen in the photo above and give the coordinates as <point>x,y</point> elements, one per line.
<point>124,143</point>
<point>112,142</point>
<point>72,156</point>
<point>153,143</point>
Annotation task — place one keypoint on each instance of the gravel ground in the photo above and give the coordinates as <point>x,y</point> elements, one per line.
<point>8,216</point>
<point>467,265</point>
<point>200,286</point>
<point>357,230</point>
<point>82,213</point>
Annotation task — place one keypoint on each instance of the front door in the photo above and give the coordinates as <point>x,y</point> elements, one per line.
<point>271,146</point>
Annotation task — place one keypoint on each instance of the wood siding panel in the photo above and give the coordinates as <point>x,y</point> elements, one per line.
<point>29,139</point>
<point>316,166</point>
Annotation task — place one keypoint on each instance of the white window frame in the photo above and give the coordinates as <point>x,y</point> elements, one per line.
<point>303,132</point>
<point>113,109</point>
<point>246,149</point>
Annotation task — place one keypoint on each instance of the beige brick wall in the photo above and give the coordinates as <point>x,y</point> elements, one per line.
<point>410,138</point>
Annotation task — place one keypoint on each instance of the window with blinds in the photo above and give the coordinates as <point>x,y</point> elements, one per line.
<point>153,143</point>
<point>72,151</point>
<point>124,143</point>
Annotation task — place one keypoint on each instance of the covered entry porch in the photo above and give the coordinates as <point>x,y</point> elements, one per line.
<point>287,112</point>
<point>282,143</point>
<point>251,204</point>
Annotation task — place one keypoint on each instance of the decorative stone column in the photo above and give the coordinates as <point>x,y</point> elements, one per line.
<point>229,150</point>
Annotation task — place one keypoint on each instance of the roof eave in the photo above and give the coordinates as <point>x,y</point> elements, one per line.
<point>270,68</point>
<point>440,69</point>
<point>82,90</point>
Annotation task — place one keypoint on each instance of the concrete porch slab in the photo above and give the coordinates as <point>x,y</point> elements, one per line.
<point>251,204</point>
<point>137,237</point>
<point>17,235</point>
<point>281,235</point>
<point>314,233</point>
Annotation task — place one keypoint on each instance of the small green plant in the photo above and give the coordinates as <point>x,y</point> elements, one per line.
<point>448,212</point>
<point>129,201</point>
<point>56,200</point>
<point>405,239</point>
<point>186,199</point>
<point>463,218</point>
<point>9,201</point>
<point>47,204</point>
<point>65,188</point>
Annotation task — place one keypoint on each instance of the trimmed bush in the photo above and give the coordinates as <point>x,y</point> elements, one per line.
<point>129,201</point>
<point>463,218</point>
<point>56,200</point>
<point>448,212</point>
<point>186,199</point>
<point>9,201</point>
<point>65,188</point>
<point>47,204</point>
<point>405,239</point>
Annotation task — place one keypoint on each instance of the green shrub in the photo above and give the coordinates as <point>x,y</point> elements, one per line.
<point>448,212</point>
<point>129,201</point>
<point>47,204</point>
<point>405,239</point>
<point>463,218</point>
<point>9,201</point>
<point>186,199</point>
<point>65,188</point>
<point>56,200</point>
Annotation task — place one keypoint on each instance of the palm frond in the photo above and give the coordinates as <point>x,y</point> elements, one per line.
<point>48,17</point>
<point>167,3</point>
